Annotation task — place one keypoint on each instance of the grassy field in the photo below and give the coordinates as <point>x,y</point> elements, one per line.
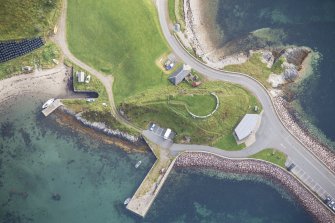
<point>41,57</point>
<point>118,37</point>
<point>94,111</point>
<point>257,69</point>
<point>271,155</point>
<point>28,18</point>
<point>160,106</point>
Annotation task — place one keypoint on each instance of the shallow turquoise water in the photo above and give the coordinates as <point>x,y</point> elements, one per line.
<point>38,158</point>
<point>303,23</point>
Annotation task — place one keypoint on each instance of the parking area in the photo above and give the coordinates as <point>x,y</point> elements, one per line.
<point>314,186</point>
<point>157,130</point>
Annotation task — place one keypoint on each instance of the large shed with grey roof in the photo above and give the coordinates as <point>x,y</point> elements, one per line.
<point>246,127</point>
<point>180,74</point>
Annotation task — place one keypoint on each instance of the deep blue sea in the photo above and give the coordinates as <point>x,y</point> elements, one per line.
<point>308,23</point>
<point>38,158</point>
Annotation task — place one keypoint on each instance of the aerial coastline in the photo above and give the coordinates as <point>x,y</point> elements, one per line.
<point>205,42</point>
<point>109,107</point>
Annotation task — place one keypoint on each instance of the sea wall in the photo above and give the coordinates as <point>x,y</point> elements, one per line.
<point>248,166</point>
<point>313,145</point>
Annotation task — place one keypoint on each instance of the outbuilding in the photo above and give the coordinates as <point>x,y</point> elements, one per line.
<point>180,74</point>
<point>246,128</point>
<point>81,76</point>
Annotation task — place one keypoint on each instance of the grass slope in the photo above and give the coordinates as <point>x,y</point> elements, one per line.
<point>257,69</point>
<point>271,155</point>
<point>41,57</point>
<point>118,37</point>
<point>27,18</point>
<point>162,107</point>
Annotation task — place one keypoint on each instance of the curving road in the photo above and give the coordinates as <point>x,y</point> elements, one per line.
<point>271,134</point>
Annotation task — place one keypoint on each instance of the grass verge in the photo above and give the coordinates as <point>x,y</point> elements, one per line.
<point>28,18</point>
<point>228,143</point>
<point>162,107</point>
<point>128,44</point>
<point>172,12</point>
<point>271,155</point>
<point>41,57</point>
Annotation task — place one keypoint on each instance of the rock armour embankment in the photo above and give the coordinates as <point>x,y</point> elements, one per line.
<point>247,166</point>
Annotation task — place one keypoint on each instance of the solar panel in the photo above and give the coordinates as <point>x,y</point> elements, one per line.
<point>13,49</point>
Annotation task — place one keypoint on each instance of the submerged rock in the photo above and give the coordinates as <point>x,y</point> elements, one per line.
<point>56,197</point>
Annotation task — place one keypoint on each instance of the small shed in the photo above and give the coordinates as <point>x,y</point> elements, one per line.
<point>81,76</point>
<point>180,74</point>
<point>246,127</point>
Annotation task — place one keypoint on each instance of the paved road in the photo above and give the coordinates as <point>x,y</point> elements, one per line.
<point>271,132</point>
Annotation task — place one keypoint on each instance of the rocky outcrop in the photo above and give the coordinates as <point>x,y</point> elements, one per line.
<point>102,127</point>
<point>296,55</point>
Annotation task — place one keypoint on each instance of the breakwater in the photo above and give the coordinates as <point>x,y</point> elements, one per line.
<point>321,151</point>
<point>247,166</point>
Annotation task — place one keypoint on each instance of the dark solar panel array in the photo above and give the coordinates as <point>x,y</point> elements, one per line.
<point>12,49</point>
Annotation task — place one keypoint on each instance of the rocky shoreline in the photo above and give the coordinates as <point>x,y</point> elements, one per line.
<point>247,166</point>
<point>99,131</point>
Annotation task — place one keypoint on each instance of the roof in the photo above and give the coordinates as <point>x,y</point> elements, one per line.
<point>246,126</point>
<point>179,75</point>
<point>81,76</point>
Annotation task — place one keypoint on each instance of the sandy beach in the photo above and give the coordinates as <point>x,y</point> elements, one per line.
<point>51,83</point>
<point>199,34</point>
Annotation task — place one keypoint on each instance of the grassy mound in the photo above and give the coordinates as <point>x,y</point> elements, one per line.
<point>160,106</point>
<point>28,18</point>
<point>121,38</point>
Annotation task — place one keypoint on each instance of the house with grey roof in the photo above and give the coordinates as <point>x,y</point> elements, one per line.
<point>180,74</point>
<point>81,76</point>
<point>247,127</point>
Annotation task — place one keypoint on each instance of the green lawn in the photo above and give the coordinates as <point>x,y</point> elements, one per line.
<point>156,106</point>
<point>257,69</point>
<point>27,18</point>
<point>41,57</point>
<point>271,155</point>
<point>229,143</point>
<point>121,38</point>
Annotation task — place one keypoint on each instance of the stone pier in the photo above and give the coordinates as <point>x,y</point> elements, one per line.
<point>145,195</point>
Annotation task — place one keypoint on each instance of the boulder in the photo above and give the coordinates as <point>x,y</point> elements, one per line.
<point>296,55</point>
<point>291,74</point>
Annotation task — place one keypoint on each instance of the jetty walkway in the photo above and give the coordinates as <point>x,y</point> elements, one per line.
<point>51,108</point>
